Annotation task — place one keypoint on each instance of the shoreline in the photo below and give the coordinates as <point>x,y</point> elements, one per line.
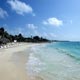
<point>8,69</point>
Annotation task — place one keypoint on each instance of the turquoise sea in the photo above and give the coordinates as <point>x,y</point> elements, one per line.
<point>55,61</point>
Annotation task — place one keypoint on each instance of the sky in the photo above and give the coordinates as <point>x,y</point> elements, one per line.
<point>52,19</point>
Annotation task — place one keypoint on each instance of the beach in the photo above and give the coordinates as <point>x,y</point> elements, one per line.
<point>8,69</point>
<point>36,61</point>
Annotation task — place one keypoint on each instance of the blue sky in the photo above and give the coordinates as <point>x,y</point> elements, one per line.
<point>53,19</point>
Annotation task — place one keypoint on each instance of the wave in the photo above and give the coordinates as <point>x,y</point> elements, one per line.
<point>73,56</point>
<point>51,63</point>
<point>34,65</point>
<point>67,53</point>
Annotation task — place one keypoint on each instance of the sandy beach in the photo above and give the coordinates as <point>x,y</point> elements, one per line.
<point>8,69</point>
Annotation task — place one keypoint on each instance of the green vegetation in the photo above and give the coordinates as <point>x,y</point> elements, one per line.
<point>5,37</point>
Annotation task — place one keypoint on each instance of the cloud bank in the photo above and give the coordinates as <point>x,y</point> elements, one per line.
<point>20,7</point>
<point>53,22</point>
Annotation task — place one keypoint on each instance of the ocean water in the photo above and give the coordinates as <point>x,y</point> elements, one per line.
<point>54,61</point>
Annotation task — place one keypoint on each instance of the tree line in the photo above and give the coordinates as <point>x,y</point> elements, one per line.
<point>5,37</point>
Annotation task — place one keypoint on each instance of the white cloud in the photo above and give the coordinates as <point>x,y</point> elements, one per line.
<point>31,26</point>
<point>20,7</point>
<point>53,21</point>
<point>3,13</point>
<point>33,29</point>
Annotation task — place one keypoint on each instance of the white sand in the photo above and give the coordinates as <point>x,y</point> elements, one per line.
<point>8,70</point>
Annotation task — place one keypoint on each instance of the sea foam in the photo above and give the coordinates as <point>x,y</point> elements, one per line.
<point>34,65</point>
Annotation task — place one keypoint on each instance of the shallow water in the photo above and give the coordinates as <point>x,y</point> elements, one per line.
<point>54,61</point>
